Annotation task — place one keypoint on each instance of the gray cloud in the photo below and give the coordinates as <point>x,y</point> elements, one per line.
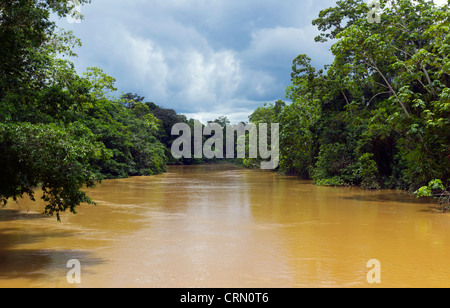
<point>201,57</point>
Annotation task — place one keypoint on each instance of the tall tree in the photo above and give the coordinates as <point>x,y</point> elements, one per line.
<point>378,116</point>
<point>40,94</point>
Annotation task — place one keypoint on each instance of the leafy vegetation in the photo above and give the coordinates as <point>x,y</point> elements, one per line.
<point>378,116</point>
<point>63,132</point>
<point>436,189</point>
<point>59,131</point>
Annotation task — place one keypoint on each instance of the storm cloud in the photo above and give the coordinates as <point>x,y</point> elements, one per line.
<point>203,58</point>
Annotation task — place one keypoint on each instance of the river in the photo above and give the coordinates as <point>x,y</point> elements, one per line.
<point>224,226</point>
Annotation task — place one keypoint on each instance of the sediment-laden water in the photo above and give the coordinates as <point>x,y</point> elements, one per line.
<point>223,226</point>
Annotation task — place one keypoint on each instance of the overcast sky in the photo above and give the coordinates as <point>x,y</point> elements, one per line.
<point>203,58</point>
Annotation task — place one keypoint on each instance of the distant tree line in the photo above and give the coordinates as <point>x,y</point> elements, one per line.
<point>378,116</point>
<point>63,132</point>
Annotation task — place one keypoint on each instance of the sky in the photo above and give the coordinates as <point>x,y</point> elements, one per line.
<point>202,58</point>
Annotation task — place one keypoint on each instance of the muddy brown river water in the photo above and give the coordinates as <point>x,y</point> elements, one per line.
<point>223,226</point>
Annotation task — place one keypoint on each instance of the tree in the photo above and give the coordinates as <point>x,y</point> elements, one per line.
<point>436,189</point>
<point>377,116</point>
<point>402,64</point>
<point>338,18</point>
<point>56,158</point>
<point>59,131</point>
<point>41,142</point>
<point>129,99</point>
<point>25,30</point>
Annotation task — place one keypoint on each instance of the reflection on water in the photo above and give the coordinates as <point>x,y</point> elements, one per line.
<point>222,226</point>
